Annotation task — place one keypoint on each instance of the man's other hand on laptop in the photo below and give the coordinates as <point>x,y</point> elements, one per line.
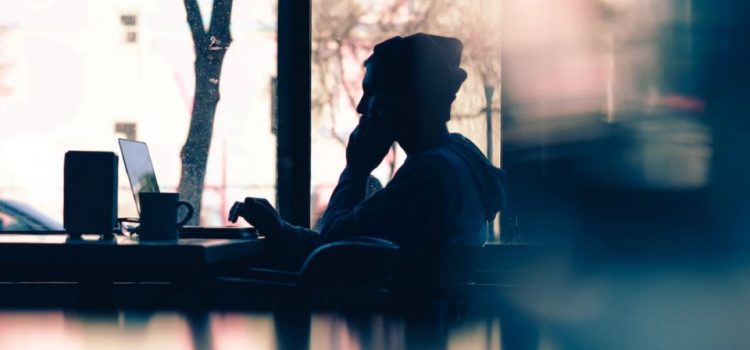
<point>259,213</point>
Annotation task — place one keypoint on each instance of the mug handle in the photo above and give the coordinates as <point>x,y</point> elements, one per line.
<point>189,214</point>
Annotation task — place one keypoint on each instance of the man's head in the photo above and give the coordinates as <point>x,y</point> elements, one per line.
<point>412,81</point>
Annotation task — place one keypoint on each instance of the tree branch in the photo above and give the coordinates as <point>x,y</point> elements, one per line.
<point>340,66</point>
<point>427,16</point>
<point>195,21</point>
<point>221,16</point>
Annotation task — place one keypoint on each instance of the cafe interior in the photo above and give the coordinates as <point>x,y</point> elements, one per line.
<point>618,125</point>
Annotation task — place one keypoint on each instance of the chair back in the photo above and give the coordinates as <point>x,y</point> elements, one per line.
<point>357,262</point>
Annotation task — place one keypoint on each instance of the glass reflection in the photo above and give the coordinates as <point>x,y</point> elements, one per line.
<point>222,330</point>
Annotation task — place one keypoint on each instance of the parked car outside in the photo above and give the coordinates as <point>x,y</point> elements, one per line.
<point>16,216</point>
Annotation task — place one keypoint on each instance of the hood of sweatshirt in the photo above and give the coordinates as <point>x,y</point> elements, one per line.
<point>490,179</point>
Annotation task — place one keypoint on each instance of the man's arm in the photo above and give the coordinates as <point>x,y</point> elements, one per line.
<point>349,192</point>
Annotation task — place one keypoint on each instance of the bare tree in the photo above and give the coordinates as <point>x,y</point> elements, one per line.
<point>210,47</point>
<point>334,24</point>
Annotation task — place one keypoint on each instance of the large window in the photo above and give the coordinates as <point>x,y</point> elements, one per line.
<point>590,95</point>
<point>343,35</point>
<point>76,75</point>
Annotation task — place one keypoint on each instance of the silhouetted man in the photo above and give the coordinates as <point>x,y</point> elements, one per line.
<point>446,191</point>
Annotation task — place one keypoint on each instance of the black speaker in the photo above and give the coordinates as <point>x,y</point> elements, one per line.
<point>90,204</point>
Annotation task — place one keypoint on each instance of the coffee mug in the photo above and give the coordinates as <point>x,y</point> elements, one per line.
<point>159,215</point>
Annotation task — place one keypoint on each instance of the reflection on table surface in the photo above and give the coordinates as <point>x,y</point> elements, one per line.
<point>37,238</point>
<point>219,330</point>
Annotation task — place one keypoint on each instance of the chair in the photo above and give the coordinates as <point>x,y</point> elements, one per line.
<point>362,271</point>
<point>359,267</point>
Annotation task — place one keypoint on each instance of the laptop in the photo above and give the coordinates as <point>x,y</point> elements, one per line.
<point>140,170</point>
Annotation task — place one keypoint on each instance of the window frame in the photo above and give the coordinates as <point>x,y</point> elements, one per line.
<point>293,154</point>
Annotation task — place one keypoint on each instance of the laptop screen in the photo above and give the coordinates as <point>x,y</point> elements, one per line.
<point>139,168</point>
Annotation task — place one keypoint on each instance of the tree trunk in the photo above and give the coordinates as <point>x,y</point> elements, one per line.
<point>210,48</point>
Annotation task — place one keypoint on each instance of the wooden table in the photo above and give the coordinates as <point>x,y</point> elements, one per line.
<point>53,271</point>
<point>34,257</point>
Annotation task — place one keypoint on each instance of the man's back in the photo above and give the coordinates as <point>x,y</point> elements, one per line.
<point>443,195</point>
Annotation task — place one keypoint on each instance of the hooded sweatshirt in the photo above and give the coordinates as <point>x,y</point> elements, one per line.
<point>443,196</point>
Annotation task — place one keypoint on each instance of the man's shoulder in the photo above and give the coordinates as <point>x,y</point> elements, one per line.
<point>436,157</point>
<point>430,168</point>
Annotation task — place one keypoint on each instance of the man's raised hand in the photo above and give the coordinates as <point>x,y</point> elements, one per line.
<point>368,144</point>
